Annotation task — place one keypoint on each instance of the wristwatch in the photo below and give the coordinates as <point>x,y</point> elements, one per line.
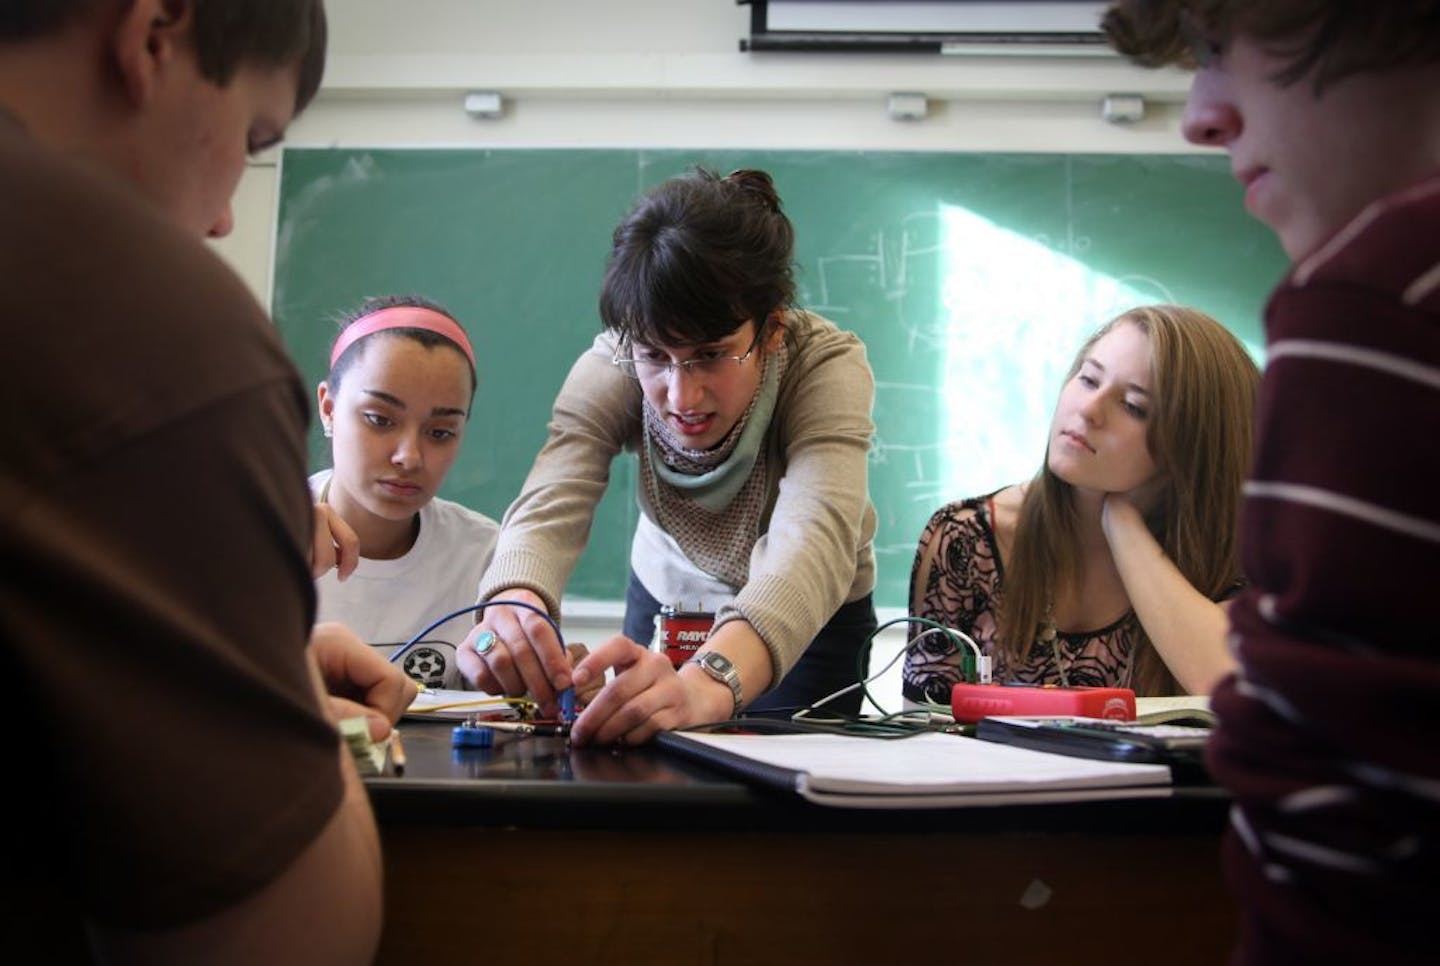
<point>720,667</point>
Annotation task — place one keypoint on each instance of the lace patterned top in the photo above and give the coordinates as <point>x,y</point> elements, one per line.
<point>963,591</point>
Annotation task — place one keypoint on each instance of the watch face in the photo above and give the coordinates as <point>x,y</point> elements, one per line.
<point>718,661</point>
<point>722,669</point>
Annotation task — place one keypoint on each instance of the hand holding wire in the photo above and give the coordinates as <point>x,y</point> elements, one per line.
<point>492,662</point>
<point>516,649</point>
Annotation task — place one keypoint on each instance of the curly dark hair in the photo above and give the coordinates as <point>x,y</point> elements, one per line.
<point>698,257</point>
<point>1324,40</point>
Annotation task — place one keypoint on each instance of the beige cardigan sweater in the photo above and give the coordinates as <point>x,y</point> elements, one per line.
<point>816,548</point>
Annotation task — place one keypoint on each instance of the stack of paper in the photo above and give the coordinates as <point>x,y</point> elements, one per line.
<point>443,703</point>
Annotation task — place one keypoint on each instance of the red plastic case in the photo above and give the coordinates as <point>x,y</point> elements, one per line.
<point>971,702</point>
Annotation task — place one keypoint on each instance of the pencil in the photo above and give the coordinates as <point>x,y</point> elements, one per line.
<point>397,753</point>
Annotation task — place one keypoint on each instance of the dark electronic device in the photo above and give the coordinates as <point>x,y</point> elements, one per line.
<point>1168,744</point>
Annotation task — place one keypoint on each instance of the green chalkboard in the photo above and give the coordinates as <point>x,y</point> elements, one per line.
<point>971,278</point>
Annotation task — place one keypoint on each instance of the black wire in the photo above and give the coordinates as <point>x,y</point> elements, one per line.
<point>396,654</point>
<point>856,724</point>
<point>862,672</point>
<point>802,727</point>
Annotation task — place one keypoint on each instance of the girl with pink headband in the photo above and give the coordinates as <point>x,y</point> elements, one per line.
<point>395,404</point>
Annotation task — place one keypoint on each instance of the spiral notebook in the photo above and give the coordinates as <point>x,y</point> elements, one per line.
<point>930,770</point>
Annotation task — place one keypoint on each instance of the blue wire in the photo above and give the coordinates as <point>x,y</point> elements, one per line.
<point>400,651</point>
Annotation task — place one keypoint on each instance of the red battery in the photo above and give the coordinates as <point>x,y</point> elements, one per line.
<point>682,632</point>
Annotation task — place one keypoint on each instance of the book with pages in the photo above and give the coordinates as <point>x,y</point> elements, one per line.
<point>930,770</point>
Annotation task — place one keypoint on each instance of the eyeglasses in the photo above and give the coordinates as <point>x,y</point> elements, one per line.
<point>649,364</point>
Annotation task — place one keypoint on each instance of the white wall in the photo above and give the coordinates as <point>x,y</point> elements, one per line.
<point>669,73</point>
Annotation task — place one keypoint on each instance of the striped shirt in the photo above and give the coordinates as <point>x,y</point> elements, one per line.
<point>1330,732</point>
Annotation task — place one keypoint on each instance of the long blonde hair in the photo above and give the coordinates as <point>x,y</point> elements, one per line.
<point>1203,386</point>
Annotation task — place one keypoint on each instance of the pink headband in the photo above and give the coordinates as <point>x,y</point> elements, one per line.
<point>402,317</point>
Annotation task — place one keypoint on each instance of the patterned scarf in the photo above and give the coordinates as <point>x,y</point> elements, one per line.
<point>711,501</point>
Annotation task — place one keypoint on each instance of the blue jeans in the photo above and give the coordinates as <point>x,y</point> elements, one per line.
<point>828,664</point>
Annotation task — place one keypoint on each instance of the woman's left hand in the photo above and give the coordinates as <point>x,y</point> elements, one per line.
<point>645,696</point>
<point>576,653</point>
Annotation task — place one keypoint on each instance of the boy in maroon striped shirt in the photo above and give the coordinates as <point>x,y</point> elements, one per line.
<point>1327,739</point>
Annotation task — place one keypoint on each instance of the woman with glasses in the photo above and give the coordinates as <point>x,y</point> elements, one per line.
<point>751,422</point>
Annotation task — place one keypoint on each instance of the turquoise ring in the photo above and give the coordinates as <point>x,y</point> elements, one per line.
<point>484,641</point>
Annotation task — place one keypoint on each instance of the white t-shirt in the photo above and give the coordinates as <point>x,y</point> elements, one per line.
<point>387,602</point>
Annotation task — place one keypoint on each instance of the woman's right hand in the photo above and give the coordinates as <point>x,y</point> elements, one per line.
<point>515,651</point>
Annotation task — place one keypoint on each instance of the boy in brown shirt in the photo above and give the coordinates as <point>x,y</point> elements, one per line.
<point>187,796</point>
